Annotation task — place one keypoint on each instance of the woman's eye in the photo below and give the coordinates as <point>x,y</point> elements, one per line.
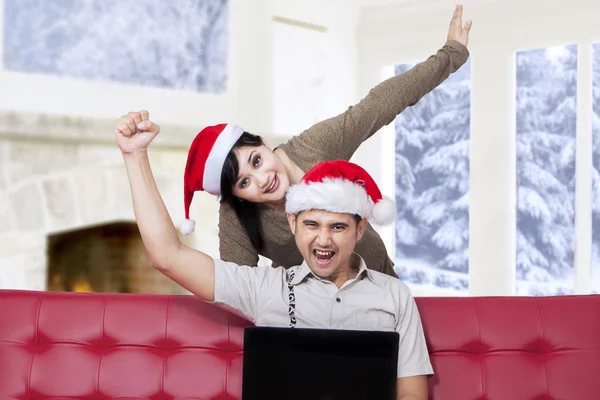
<point>256,160</point>
<point>244,182</point>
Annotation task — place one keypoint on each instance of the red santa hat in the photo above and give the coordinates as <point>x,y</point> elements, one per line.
<point>205,161</point>
<point>342,187</point>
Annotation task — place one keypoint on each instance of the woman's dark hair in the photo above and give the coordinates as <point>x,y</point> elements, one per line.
<point>247,212</point>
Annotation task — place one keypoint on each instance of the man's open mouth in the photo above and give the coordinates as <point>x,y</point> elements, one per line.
<point>323,256</point>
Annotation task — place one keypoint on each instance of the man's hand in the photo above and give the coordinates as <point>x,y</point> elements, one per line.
<point>456,30</point>
<point>135,131</point>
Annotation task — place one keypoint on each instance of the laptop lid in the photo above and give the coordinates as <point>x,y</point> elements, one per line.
<point>319,364</point>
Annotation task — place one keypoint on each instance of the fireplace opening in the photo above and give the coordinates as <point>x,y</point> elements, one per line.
<point>108,258</point>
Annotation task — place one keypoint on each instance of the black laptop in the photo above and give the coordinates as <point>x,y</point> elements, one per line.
<point>319,364</point>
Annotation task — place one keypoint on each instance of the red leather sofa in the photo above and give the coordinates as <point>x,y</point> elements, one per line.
<point>98,346</point>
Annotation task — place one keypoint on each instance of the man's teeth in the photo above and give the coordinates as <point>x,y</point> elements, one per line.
<point>324,253</point>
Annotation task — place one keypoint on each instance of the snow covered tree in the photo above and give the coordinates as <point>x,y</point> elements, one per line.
<point>546,127</point>
<point>180,44</point>
<point>596,171</point>
<point>432,185</point>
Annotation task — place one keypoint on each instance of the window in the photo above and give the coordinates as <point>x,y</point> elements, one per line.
<point>164,44</point>
<point>595,267</point>
<point>545,146</point>
<point>432,186</point>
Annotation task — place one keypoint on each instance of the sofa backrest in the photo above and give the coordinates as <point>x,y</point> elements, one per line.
<point>84,346</point>
<point>513,348</point>
<point>80,345</point>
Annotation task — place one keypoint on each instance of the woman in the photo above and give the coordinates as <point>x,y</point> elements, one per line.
<point>252,180</point>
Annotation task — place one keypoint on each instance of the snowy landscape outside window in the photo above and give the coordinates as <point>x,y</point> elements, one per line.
<point>177,45</point>
<point>432,186</point>
<point>595,268</point>
<point>546,83</point>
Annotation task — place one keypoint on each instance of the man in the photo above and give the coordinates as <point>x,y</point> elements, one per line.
<point>327,212</point>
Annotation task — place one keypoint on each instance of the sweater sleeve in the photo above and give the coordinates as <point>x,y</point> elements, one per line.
<point>234,243</point>
<point>339,137</point>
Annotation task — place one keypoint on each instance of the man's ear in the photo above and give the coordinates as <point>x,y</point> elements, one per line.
<point>360,228</point>
<point>292,221</point>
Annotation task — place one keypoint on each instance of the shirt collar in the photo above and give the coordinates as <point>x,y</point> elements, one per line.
<point>303,271</point>
<point>370,274</point>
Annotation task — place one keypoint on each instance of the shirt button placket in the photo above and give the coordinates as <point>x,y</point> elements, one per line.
<point>338,308</point>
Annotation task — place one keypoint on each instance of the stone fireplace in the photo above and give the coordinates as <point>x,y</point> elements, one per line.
<point>108,258</point>
<point>66,218</point>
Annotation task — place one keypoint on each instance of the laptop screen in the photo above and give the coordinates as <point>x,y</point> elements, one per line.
<point>319,364</point>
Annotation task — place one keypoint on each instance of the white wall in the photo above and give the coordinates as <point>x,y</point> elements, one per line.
<point>315,67</point>
<point>393,35</point>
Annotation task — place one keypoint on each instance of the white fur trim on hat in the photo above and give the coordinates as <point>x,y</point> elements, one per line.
<point>187,226</point>
<point>214,163</point>
<point>333,195</point>
<point>384,211</point>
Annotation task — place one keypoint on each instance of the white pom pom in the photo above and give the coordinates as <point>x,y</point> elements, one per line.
<point>187,226</point>
<point>384,211</point>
